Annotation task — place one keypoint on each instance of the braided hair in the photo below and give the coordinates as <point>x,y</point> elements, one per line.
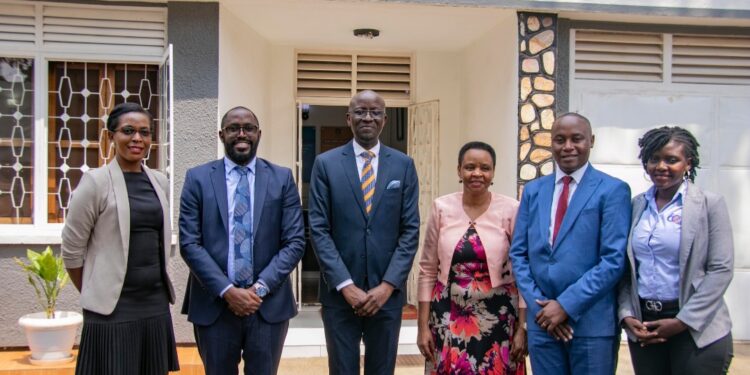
<point>657,138</point>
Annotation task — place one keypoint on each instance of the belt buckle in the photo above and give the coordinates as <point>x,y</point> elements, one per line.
<point>654,306</point>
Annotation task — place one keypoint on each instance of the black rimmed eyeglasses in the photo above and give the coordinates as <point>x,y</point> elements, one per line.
<point>235,129</point>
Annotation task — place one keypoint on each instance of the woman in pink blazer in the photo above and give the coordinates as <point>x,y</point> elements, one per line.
<point>471,317</point>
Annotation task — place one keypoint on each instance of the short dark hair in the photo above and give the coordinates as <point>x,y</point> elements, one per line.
<point>655,139</point>
<point>476,145</point>
<point>114,117</point>
<point>577,115</point>
<point>224,118</point>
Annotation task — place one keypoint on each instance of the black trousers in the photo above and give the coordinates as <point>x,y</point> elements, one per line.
<point>680,355</point>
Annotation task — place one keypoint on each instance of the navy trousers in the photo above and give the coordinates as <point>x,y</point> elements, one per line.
<point>344,332</point>
<point>258,343</point>
<point>581,355</point>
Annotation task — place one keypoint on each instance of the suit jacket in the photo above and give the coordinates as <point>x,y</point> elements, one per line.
<point>448,223</point>
<point>582,268</point>
<point>96,235</point>
<point>278,239</point>
<point>706,266</point>
<point>350,244</point>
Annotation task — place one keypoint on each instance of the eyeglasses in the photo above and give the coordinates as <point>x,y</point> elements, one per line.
<point>374,113</point>
<point>130,131</point>
<point>235,129</point>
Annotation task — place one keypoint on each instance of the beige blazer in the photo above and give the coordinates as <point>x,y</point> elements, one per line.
<point>706,267</point>
<point>447,224</point>
<point>96,235</point>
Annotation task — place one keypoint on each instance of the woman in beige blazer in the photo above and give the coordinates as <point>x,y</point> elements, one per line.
<point>116,243</point>
<point>471,318</point>
<point>681,257</point>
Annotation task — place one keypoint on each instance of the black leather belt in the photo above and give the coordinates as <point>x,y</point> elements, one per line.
<point>657,306</point>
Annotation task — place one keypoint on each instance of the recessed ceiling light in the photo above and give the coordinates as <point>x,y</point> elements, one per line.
<point>366,33</point>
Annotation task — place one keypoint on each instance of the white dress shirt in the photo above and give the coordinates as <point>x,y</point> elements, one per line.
<point>358,150</point>
<point>576,179</point>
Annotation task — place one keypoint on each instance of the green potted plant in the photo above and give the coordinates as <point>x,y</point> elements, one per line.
<point>50,333</point>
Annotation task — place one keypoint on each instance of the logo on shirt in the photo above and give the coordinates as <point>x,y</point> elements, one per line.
<point>675,218</point>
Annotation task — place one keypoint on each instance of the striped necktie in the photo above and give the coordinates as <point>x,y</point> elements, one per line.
<point>242,231</point>
<point>368,179</point>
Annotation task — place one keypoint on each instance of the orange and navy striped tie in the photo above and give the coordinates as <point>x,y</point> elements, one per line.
<point>368,180</point>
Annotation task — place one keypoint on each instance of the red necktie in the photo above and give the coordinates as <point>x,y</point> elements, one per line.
<point>562,206</point>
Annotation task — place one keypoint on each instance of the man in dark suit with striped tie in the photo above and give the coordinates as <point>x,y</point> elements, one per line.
<point>364,220</point>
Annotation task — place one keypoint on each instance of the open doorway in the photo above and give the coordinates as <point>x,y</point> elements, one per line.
<point>324,128</point>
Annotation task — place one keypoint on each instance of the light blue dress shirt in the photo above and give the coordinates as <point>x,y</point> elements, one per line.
<point>656,246</point>
<point>232,179</point>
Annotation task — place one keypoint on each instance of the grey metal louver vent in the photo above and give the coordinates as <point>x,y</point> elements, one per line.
<point>711,59</point>
<point>75,28</point>
<point>618,56</point>
<point>18,25</point>
<point>334,75</point>
<point>105,30</point>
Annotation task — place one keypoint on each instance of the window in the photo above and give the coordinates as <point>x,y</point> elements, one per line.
<point>81,95</point>
<point>59,79</point>
<point>16,134</point>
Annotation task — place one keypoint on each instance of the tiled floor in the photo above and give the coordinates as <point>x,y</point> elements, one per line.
<point>16,363</point>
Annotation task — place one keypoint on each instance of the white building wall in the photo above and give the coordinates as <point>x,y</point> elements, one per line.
<point>437,77</point>
<point>489,98</point>
<point>243,72</point>
<point>283,114</point>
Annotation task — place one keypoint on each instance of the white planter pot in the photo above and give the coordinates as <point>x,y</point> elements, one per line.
<point>50,340</point>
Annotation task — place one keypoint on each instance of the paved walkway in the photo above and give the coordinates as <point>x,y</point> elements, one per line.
<point>413,365</point>
<point>16,363</point>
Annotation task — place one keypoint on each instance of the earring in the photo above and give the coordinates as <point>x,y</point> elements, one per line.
<point>492,183</point>
<point>646,176</point>
<point>460,181</point>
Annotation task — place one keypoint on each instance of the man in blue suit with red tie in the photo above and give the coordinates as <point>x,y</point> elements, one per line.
<point>364,220</point>
<point>241,234</point>
<point>568,254</point>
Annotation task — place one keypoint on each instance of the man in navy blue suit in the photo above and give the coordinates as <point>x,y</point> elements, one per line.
<point>241,234</point>
<point>568,255</point>
<point>364,220</point>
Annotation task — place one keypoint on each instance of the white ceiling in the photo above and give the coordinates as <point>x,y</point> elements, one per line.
<point>329,24</point>
<point>324,24</point>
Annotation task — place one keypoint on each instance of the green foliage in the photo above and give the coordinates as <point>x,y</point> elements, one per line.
<point>47,275</point>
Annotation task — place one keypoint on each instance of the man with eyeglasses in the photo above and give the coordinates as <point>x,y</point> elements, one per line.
<point>364,222</point>
<point>241,234</point>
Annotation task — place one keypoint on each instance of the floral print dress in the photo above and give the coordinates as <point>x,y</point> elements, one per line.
<point>472,323</point>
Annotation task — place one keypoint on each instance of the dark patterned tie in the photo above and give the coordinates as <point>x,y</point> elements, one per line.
<point>243,231</point>
<point>368,180</point>
<point>562,206</point>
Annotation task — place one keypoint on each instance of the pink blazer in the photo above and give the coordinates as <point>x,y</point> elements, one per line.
<point>447,224</point>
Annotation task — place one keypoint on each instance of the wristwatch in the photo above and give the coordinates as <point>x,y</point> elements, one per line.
<point>260,290</point>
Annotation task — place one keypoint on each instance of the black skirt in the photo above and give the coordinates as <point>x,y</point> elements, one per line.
<point>140,347</point>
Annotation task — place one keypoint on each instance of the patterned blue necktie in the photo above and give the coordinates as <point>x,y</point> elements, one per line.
<point>243,232</point>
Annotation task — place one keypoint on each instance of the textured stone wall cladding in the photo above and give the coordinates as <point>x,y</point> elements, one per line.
<point>537,36</point>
